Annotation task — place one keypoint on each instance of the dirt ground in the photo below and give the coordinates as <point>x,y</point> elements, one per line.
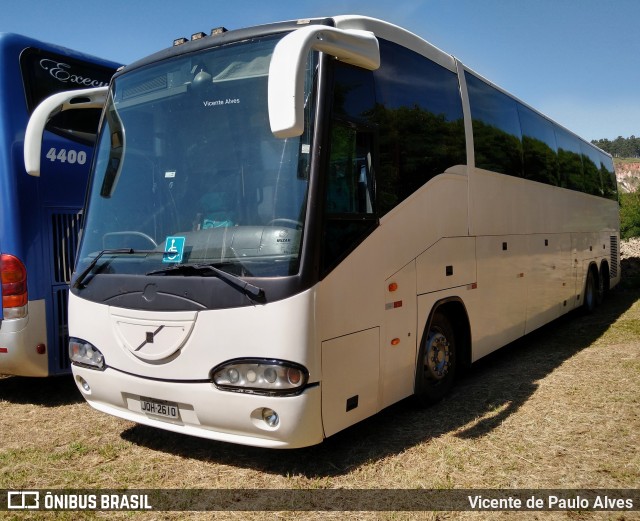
<point>558,409</point>
<point>630,260</point>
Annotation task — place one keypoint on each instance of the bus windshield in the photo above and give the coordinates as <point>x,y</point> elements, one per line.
<point>187,167</point>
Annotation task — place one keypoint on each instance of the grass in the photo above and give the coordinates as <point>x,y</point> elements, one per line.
<point>625,160</point>
<point>557,409</point>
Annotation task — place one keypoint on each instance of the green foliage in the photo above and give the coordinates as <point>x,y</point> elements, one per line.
<point>629,215</point>
<point>629,202</point>
<point>620,147</point>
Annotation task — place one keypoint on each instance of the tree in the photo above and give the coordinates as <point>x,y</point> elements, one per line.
<point>620,147</point>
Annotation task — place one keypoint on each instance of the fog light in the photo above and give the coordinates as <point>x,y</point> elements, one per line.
<point>84,384</point>
<point>270,417</point>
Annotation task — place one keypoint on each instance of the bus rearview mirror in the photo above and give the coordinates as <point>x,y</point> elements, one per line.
<point>59,102</point>
<point>288,63</point>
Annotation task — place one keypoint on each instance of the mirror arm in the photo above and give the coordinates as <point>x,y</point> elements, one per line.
<point>288,64</point>
<point>49,107</point>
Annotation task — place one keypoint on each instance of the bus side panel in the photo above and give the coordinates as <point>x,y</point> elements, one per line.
<point>499,305</point>
<point>449,263</point>
<point>20,337</point>
<point>10,119</point>
<point>399,346</point>
<point>18,213</point>
<point>349,297</point>
<point>550,278</point>
<point>581,244</point>
<point>507,205</point>
<point>352,300</point>
<point>350,376</point>
<point>438,209</point>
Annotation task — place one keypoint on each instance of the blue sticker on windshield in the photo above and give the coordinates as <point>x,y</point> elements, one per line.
<point>173,249</point>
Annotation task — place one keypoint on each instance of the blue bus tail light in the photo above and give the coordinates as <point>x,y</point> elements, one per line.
<point>14,286</point>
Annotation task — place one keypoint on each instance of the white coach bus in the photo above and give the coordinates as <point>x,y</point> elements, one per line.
<point>293,226</point>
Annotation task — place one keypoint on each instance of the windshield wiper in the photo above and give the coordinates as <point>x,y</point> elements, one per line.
<point>252,291</point>
<point>126,251</point>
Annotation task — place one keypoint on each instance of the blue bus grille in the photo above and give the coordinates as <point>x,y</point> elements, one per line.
<point>61,319</point>
<point>65,230</point>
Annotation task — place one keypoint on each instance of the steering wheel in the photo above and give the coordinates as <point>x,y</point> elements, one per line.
<point>289,223</point>
<point>134,233</point>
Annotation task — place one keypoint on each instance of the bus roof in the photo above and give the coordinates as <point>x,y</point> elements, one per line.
<point>380,28</point>
<point>8,40</point>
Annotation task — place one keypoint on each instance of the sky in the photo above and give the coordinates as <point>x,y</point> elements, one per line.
<point>577,61</point>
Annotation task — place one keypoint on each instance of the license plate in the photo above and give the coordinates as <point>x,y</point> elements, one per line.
<point>159,408</point>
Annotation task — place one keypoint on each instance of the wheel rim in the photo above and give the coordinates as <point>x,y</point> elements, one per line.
<point>437,356</point>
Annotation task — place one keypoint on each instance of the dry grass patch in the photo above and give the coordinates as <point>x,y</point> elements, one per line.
<point>558,409</point>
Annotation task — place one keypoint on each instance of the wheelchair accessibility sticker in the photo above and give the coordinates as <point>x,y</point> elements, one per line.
<point>173,249</point>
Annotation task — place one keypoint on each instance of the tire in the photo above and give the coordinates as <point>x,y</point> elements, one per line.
<point>437,361</point>
<point>600,290</point>
<point>605,281</point>
<point>591,291</point>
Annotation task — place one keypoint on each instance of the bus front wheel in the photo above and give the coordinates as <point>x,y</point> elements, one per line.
<point>436,361</point>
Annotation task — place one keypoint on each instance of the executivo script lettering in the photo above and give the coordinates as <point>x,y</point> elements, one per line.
<point>64,73</point>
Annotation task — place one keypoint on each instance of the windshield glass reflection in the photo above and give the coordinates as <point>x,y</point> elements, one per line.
<point>186,157</point>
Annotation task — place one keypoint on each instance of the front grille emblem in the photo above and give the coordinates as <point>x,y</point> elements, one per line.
<point>149,338</point>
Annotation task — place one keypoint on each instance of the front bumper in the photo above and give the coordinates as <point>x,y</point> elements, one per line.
<point>205,411</point>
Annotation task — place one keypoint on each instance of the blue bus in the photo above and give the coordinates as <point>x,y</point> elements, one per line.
<point>40,216</point>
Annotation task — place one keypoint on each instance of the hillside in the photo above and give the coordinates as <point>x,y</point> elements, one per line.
<point>628,174</point>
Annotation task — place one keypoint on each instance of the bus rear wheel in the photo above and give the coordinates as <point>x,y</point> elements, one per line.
<point>436,361</point>
<point>592,292</point>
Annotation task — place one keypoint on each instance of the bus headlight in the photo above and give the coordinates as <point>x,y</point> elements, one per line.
<point>85,354</point>
<point>259,376</point>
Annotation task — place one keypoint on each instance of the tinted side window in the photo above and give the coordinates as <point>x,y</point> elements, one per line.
<point>45,73</point>
<point>608,175</point>
<point>569,160</point>
<point>496,128</point>
<point>349,199</point>
<point>353,94</point>
<point>420,125</point>
<point>539,147</point>
<point>591,168</point>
